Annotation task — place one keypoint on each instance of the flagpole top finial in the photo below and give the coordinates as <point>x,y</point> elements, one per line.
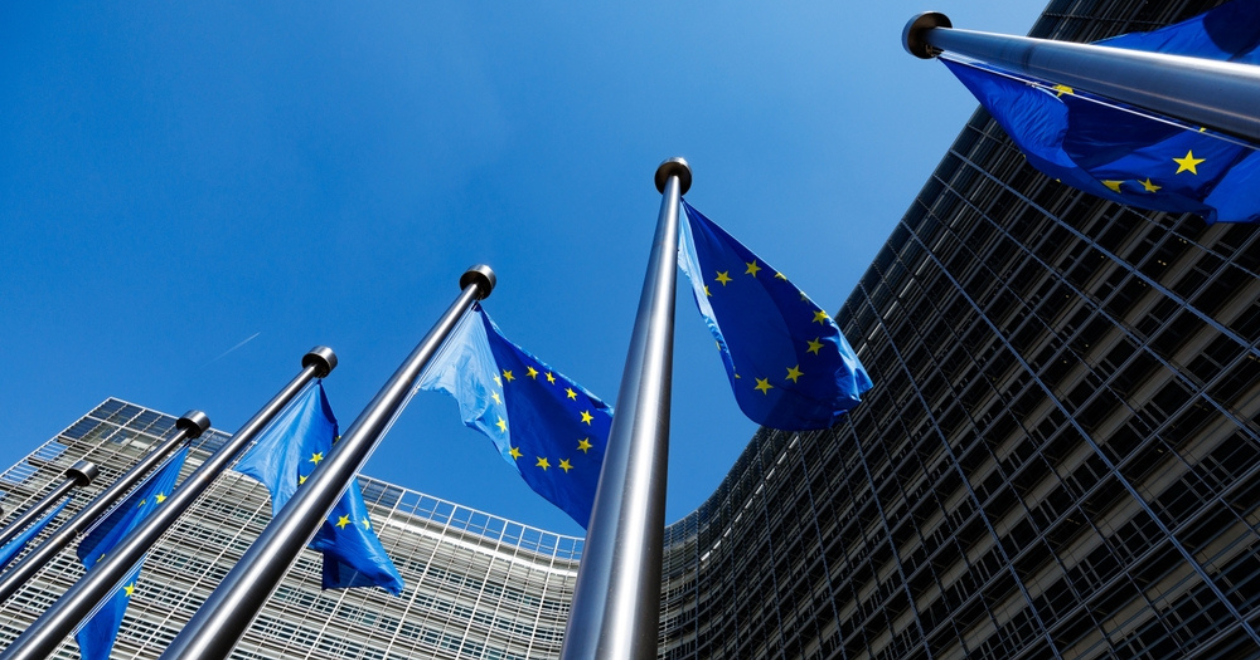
<point>912,37</point>
<point>322,358</point>
<point>674,167</point>
<point>83,473</point>
<point>480,275</point>
<point>193,424</point>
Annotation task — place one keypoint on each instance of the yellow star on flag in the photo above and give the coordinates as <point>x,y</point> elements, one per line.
<point>507,375</point>
<point>1114,185</point>
<point>1189,163</point>
<point>568,391</point>
<point>815,346</point>
<point>317,457</point>
<point>820,317</point>
<point>502,424</point>
<point>301,479</point>
<point>780,276</point>
<point>142,503</point>
<point>794,373</point>
<point>551,379</point>
<point>724,276</point>
<point>586,417</point>
<point>707,292</point>
<point>531,372</point>
<point>564,465</point>
<point>161,498</point>
<point>497,381</point>
<point>129,589</point>
<point>763,386</point>
<point>1062,89</point>
<point>585,445</point>
<point>543,463</point>
<point>343,521</point>
<point>366,524</point>
<point>753,268</point>
<point>516,453</point>
<point>495,396</point>
<point>1150,187</point>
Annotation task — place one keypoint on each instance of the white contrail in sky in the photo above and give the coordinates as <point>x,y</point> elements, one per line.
<point>247,340</point>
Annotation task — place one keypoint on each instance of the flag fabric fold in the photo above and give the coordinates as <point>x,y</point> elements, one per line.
<point>1129,155</point>
<point>96,637</point>
<point>283,458</point>
<point>15,546</point>
<point>551,430</point>
<point>787,361</point>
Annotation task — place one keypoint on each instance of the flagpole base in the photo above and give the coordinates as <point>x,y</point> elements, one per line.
<point>913,36</point>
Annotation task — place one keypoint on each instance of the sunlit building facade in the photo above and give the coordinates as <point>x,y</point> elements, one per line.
<point>478,586</point>
<point>1059,458</point>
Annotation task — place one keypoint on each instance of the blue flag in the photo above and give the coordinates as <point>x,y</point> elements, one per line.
<point>14,547</point>
<point>548,428</point>
<point>790,367</point>
<point>1128,155</point>
<point>96,637</point>
<point>284,456</point>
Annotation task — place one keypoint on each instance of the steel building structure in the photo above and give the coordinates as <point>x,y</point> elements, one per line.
<point>1059,460</point>
<point>1060,456</point>
<point>478,586</point>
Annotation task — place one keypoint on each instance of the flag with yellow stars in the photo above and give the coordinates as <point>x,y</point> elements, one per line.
<point>547,427</point>
<point>285,455</point>
<point>790,367</point>
<point>14,547</point>
<point>96,637</point>
<point>1129,155</point>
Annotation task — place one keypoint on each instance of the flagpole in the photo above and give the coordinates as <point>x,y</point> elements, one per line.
<point>1223,96</point>
<point>42,637</point>
<point>616,602</point>
<point>225,617</point>
<point>82,473</point>
<point>189,427</point>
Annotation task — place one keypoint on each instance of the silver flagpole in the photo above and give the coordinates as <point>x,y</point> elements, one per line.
<point>40,640</point>
<point>616,602</point>
<point>78,475</point>
<point>188,427</point>
<point>1223,96</point>
<point>223,619</point>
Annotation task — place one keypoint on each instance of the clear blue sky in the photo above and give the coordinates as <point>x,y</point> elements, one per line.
<point>178,177</point>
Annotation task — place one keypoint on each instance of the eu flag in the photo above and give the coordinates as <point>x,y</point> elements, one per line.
<point>548,428</point>
<point>1127,155</point>
<point>96,637</point>
<point>14,547</point>
<point>787,361</point>
<point>284,457</point>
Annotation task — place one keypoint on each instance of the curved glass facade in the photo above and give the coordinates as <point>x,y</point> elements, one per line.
<point>1059,458</point>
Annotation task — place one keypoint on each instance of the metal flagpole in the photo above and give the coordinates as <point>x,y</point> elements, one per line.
<point>1223,96</point>
<point>188,427</point>
<point>40,640</point>
<point>82,473</point>
<point>221,621</point>
<point>616,602</point>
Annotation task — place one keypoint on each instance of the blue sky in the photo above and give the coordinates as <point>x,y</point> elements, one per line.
<point>177,178</point>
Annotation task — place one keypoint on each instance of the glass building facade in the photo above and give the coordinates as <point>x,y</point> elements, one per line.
<point>478,586</point>
<point>1059,458</point>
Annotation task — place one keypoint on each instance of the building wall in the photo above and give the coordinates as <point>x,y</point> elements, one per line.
<point>478,586</point>
<point>1059,458</point>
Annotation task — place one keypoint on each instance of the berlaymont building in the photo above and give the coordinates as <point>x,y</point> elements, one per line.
<point>1060,459</point>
